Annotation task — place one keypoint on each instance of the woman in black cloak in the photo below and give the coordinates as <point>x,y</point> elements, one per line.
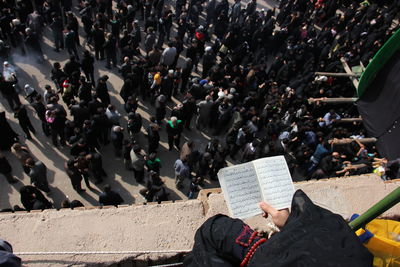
<point>7,135</point>
<point>310,236</point>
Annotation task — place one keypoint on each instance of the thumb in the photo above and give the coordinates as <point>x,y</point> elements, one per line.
<point>268,209</point>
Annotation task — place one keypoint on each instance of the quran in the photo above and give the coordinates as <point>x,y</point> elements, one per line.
<point>245,185</point>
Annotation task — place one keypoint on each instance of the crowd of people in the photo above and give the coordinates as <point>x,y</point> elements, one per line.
<point>238,73</point>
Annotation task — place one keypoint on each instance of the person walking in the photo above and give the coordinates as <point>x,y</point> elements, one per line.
<point>40,109</point>
<point>182,172</point>
<point>110,48</point>
<point>24,121</point>
<point>70,42</point>
<point>74,174</point>
<point>98,41</point>
<point>6,169</point>
<point>38,174</point>
<point>138,163</point>
<point>87,65</point>
<point>57,29</point>
<point>174,130</point>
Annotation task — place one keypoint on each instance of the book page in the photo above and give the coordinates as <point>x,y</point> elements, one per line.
<point>275,181</point>
<point>241,190</point>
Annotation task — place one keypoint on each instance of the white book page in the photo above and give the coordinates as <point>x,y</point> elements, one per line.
<point>275,181</point>
<point>241,190</point>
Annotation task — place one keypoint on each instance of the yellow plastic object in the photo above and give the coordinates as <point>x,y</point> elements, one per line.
<point>383,244</point>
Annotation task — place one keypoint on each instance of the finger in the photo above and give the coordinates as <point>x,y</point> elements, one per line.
<point>268,208</point>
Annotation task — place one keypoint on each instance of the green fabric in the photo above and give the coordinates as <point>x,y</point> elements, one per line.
<point>174,126</point>
<point>150,162</point>
<point>379,60</point>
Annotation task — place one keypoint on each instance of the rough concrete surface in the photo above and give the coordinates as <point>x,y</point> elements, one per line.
<point>135,228</point>
<point>160,227</point>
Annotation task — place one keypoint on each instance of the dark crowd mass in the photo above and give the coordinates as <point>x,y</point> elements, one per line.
<point>239,73</point>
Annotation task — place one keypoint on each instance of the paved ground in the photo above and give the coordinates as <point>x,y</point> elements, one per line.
<point>121,180</point>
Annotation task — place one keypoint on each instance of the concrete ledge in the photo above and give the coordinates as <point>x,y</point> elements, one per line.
<point>159,227</point>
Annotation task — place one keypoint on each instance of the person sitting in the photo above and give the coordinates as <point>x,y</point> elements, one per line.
<point>309,236</point>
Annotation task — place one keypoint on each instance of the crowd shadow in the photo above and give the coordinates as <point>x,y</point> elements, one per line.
<point>86,196</point>
<point>57,196</point>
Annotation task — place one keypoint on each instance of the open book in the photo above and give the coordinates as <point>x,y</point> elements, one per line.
<point>245,185</point>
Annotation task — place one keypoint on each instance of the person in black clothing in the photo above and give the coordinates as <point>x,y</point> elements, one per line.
<point>87,66</point>
<point>40,109</point>
<point>167,85</point>
<point>73,24</point>
<point>79,148</point>
<point>57,28</point>
<point>174,130</point>
<point>153,137</point>
<point>74,174</point>
<point>5,169</point>
<point>102,90</point>
<point>188,110</point>
<point>70,42</point>
<point>33,46</point>
<point>87,22</point>
<point>24,121</point>
<point>117,138</point>
<point>33,199</point>
<point>98,40</point>
<point>71,66</point>
<point>9,93</point>
<point>58,75</point>
<point>208,61</point>
<point>160,108</point>
<point>110,48</point>
<point>134,123</point>
<point>56,119</point>
<point>85,90</point>
<point>109,197</point>
<point>224,241</point>
<point>7,135</point>
<point>96,166</point>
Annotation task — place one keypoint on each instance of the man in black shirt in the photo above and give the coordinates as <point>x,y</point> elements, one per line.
<point>109,197</point>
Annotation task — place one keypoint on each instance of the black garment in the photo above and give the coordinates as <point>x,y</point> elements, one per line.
<point>134,123</point>
<point>96,167</point>
<point>40,109</point>
<point>80,113</point>
<point>88,68</point>
<point>117,139</point>
<point>57,28</point>
<point>33,46</point>
<point>71,66</point>
<point>75,176</point>
<point>160,111</point>
<point>110,198</point>
<point>312,236</point>
<point>102,93</point>
<point>174,134</point>
<point>32,198</point>
<point>24,122</point>
<point>110,48</point>
<point>6,169</point>
<point>167,86</point>
<point>98,39</point>
<point>85,92</point>
<point>9,93</point>
<point>154,140</point>
<point>58,76</point>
